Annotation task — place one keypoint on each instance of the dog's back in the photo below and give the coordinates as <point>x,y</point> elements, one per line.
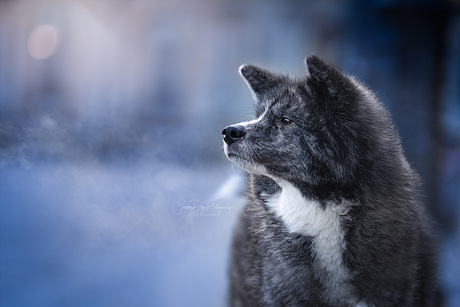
<point>333,217</point>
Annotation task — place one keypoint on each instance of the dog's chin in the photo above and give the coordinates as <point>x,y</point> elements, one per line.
<point>246,164</point>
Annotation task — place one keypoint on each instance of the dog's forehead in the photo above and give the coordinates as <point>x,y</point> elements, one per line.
<point>291,97</point>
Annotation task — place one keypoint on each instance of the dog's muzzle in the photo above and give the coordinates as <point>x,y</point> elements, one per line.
<point>233,133</point>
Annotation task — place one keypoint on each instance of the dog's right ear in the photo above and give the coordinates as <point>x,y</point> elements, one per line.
<point>320,71</point>
<point>260,81</point>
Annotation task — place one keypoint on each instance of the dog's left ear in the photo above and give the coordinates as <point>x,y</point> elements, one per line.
<point>260,81</point>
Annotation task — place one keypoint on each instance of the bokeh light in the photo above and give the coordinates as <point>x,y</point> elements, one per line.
<point>43,42</point>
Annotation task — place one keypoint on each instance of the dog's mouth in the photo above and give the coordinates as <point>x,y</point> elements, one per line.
<point>232,155</point>
<point>278,168</point>
<point>234,152</point>
<point>238,158</point>
<point>245,163</point>
<point>254,167</point>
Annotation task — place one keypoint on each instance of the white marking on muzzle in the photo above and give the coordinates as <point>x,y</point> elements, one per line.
<point>254,121</point>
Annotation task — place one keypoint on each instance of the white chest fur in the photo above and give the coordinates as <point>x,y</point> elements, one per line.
<point>323,224</point>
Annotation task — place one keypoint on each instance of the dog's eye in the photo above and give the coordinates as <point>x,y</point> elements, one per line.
<point>285,121</point>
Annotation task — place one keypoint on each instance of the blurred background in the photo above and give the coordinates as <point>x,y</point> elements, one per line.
<point>113,186</point>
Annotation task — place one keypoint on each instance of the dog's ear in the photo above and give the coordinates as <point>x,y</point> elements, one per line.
<point>320,71</point>
<point>260,81</point>
<point>328,81</point>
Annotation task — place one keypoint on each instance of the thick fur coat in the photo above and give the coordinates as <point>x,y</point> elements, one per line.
<point>333,216</point>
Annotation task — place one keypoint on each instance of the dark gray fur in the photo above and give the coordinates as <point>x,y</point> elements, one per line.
<point>339,147</point>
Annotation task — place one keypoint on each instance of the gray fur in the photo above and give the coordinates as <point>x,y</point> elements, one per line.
<point>333,217</point>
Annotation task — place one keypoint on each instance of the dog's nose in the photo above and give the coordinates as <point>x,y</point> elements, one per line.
<point>233,133</point>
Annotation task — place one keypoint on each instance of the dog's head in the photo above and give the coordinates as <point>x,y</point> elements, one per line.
<point>312,131</point>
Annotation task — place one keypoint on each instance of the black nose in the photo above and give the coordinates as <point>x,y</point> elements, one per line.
<point>233,133</point>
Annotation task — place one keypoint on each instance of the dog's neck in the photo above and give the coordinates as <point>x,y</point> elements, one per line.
<point>323,223</point>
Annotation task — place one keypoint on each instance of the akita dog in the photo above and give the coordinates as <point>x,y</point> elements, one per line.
<point>333,215</point>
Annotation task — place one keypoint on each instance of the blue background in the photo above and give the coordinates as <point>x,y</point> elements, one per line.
<point>113,186</point>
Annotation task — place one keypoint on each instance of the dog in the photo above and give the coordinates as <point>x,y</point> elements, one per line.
<point>333,216</point>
